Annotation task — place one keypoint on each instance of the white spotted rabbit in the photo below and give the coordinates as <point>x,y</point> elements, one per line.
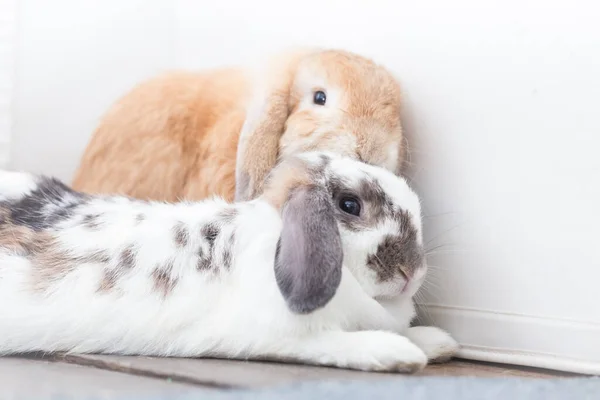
<point>294,275</point>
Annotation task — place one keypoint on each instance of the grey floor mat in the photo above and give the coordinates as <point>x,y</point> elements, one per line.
<point>446,388</point>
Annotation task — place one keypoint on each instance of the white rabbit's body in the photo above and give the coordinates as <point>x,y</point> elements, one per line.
<point>122,276</point>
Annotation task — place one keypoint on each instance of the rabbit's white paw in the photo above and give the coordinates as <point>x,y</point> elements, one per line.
<point>364,350</point>
<point>384,351</point>
<point>437,344</point>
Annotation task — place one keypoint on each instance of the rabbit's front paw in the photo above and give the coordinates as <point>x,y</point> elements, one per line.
<point>366,351</point>
<point>388,352</point>
<point>437,344</point>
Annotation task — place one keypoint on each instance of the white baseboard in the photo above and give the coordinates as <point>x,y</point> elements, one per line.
<point>544,342</point>
<point>8,39</point>
<point>547,361</point>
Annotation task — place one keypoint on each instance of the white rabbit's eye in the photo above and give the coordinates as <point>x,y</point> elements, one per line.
<point>350,205</point>
<point>320,98</point>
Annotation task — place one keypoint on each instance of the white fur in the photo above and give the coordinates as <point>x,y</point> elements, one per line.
<point>438,345</point>
<point>393,155</point>
<point>235,313</point>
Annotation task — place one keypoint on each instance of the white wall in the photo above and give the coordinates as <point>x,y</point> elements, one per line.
<point>502,102</point>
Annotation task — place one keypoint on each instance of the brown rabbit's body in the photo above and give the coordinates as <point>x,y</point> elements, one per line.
<point>194,135</point>
<point>167,140</point>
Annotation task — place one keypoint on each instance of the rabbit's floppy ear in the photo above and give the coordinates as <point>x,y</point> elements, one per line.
<point>308,260</point>
<point>258,146</point>
<point>269,108</point>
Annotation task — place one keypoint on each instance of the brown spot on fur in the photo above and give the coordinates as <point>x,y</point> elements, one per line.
<point>109,280</point>
<point>20,240</point>
<point>210,232</point>
<point>396,253</point>
<point>110,277</point>
<point>204,261</point>
<point>372,192</point>
<point>127,258</point>
<point>100,257</point>
<point>163,281</point>
<point>53,264</point>
<point>49,262</point>
<point>182,236</point>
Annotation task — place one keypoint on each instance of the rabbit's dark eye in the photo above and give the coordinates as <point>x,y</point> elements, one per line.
<point>350,205</point>
<point>320,98</point>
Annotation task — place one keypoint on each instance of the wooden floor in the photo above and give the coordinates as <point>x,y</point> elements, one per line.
<point>226,373</point>
<point>113,376</point>
<point>489,370</point>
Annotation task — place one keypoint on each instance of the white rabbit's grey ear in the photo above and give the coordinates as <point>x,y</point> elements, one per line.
<point>308,261</point>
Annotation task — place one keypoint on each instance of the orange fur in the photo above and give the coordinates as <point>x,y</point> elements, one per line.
<point>176,136</point>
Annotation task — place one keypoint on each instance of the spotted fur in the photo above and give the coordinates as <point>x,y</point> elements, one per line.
<point>127,258</point>
<point>181,234</point>
<point>91,221</point>
<point>58,231</point>
<point>164,281</point>
<point>111,274</point>
<point>50,203</point>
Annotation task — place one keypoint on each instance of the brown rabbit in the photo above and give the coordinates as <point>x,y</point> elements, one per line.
<point>182,135</point>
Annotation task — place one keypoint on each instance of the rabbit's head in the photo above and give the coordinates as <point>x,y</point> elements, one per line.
<point>335,211</point>
<point>320,100</point>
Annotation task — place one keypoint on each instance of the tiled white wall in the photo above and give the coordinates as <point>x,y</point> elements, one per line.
<point>501,104</point>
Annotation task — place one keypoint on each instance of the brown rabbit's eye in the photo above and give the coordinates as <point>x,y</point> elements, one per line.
<point>350,205</point>
<point>320,98</point>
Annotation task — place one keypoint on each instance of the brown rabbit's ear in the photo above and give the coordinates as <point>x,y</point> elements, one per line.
<point>258,146</point>
<point>308,260</point>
